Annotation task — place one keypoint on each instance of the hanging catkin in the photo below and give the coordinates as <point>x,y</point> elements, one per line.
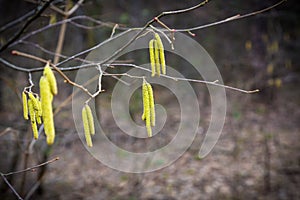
<point>161,53</point>
<point>25,105</point>
<point>152,56</point>
<point>147,109</point>
<point>151,104</point>
<point>90,119</point>
<point>86,126</point>
<point>34,101</point>
<point>148,105</point>
<point>156,55</point>
<point>48,73</point>
<point>33,119</point>
<point>39,112</point>
<point>46,101</point>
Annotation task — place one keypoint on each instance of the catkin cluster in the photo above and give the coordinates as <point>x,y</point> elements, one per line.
<point>88,124</point>
<point>40,110</point>
<point>157,56</point>
<point>149,110</point>
<point>32,105</point>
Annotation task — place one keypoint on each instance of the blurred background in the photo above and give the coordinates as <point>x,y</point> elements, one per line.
<point>257,156</point>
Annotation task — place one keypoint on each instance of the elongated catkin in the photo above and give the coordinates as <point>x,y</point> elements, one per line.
<point>90,119</point>
<point>156,55</point>
<point>48,73</point>
<point>144,90</point>
<point>152,57</point>
<point>39,112</point>
<point>25,105</point>
<point>46,101</point>
<point>31,110</point>
<point>33,119</point>
<point>147,108</point>
<point>86,127</point>
<point>161,53</point>
<point>151,104</point>
<point>34,101</point>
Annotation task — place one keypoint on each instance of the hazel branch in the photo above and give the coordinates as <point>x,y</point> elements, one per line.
<point>11,187</point>
<point>54,67</point>
<point>213,83</point>
<point>31,168</point>
<point>40,10</point>
<point>235,17</point>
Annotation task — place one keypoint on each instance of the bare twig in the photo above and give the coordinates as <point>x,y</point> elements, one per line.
<point>16,21</point>
<point>54,67</point>
<point>183,10</point>
<point>31,168</point>
<point>3,175</point>
<point>10,186</point>
<point>40,10</point>
<point>213,83</point>
<point>235,17</point>
<point>114,30</point>
<point>68,12</point>
<point>61,22</point>
<point>117,52</point>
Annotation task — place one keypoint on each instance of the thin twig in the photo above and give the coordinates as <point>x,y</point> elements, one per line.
<point>22,171</point>
<point>117,52</point>
<point>54,67</point>
<point>18,20</point>
<point>31,168</point>
<point>183,10</point>
<point>51,52</point>
<point>213,83</point>
<point>66,12</point>
<point>40,9</point>
<point>235,17</point>
<point>114,30</point>
<point>69,81</point>
<point>10,186</point>
<point>64,21</point>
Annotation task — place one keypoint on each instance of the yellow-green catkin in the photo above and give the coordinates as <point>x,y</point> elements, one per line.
<point>39,112</point>
<point>161,53</point>
<point>156,55</point>
<point>147,108</point>
<point>37,107</point>
<point>25,105</point>
<point>47,114</point>
<point>34,101</point>
<point>152,57</point>
<point>90,119</point>
<point>86,127</point>
<point>151,104</point>
<point>33,119</point>
<point>144,90</point>
<point>48,73</point>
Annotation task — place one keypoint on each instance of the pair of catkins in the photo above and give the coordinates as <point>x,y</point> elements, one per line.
<point>157,56</point>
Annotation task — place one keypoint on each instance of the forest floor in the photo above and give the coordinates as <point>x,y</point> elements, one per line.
<point>256,157</point>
